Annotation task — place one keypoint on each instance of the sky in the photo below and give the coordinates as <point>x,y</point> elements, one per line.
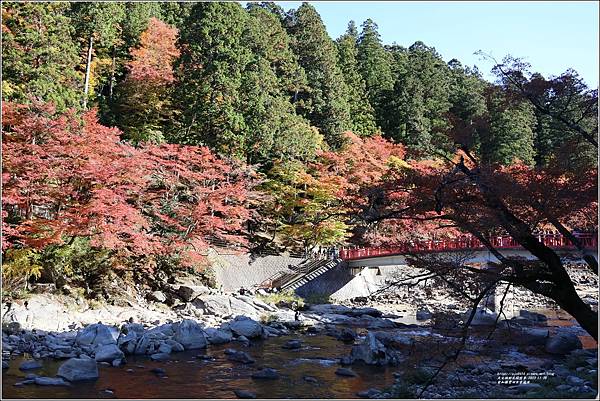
<point>551,35</point>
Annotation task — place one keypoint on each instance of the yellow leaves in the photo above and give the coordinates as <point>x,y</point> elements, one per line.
<point>394,162</point>
<point>22,263</point>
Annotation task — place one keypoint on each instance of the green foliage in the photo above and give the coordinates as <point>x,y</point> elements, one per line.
<point>318,299</point>
<point>361,111</point>
<point>19,266</point>
<point>420,102</point>
<point>511,132</point>
<point>281,298</point>
<point>39,56</point>
<point>77,262</point>
<point>210,70</point>
<point>325,104</point>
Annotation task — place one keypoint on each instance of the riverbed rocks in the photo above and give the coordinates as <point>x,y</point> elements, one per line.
<point>245,326</point>
<point>108,353</point>
<point>30,365</point>
<point>78,369</point>
<point>239,356</point>
<point>292,344</point>
<point>244,394</point>
<point>219,336</point>
<point>371,351</point>
<point>265,374</point>
<point>345,372</point>
<point>95,335</point>
<point>563,343</point>
<point>190,334</point>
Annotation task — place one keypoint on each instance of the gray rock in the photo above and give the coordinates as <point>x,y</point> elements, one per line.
<point>423,314</point>
<point>117,362</point>
<point>534,336</point>
<point>346,335</point>
<point>94,335</point>
<point>190,292</point>
<point>157,296</point>
<point>240,356</point>
<point>266,374</point>
<point>483,317</point>
<point>160,356</point>
<point>30,365</point>
<point>244,340</point>
<point>575,381</point>
<point>563,387</point>
<point>533,316</point>
<point>345,372</point>
<point>175,346</point>
<point>310,379</point>
<point>371,351</point>
<point>244,326</point>
<point>563,343</point>
<point>158,371</point>
<point>108,353</point>
<point>76,369</point>
<point>50,381</point>
<point>370,393</point>
<point>218,336</point>
<point>292,344</point>
<point>217,305</point>
<point>164,348</point>
<point>190,334</point>
<point>244,394</point>
<point>5,364</point>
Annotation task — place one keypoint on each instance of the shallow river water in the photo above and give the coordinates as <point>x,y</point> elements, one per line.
<point>190,377</point>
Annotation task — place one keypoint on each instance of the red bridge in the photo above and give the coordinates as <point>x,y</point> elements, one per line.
<point>466,243</point>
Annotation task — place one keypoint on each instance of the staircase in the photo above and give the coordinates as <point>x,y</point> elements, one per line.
<point>299,275</point>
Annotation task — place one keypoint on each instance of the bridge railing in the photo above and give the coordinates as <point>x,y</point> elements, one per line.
<point>557,241</point>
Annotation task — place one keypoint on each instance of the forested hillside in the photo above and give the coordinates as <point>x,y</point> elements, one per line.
<point>136,133</point>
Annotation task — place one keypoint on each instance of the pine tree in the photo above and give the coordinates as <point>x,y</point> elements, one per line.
<point>274,131</point>
<point>210,69</point>
<point>420,102</point>
<point>99,29</point>
<point>374,64</point>
<point>326,103</point>
<point>361,111</point>
<point>39,56</point>
<point>511,131</point>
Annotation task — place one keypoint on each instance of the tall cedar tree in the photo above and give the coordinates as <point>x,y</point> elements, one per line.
<point>326,102</point>
<point>361,111</point>
<point>210,70</point>
<point>274,130</point>
<point>374,65</point>
<point>39,56</point>
<point>420,101</point>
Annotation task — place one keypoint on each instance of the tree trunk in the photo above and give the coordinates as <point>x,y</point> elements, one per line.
<point>112,74</point>
<point>88,66</point>
<point>570,301</point>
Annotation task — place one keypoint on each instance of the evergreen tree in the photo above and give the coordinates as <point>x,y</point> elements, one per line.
<point>274,131</point>
<point>374,64</point>
<point>99,28</point>
<point>421,101</point>
<point>39,56</point>
<point>210,70</point>
<point>361,111</point>
<point>511,131</point>
<point>326,103</point>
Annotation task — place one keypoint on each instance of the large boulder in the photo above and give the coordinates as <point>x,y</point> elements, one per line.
<point>189,292</point>
<point>190,334</point>
<point>563,343</point>
<point>533,316</point>
<point>483,317</point>
<point>218,305</point>
<point>76,369</point>
<point>218,336</point>
<point>371,351</point>
<point>108,353</point>
<point>534,336</point>
<point>244,326</point>
<point>94,335</point>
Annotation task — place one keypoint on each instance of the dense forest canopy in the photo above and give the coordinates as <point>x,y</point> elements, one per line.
<point>135,132</point>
